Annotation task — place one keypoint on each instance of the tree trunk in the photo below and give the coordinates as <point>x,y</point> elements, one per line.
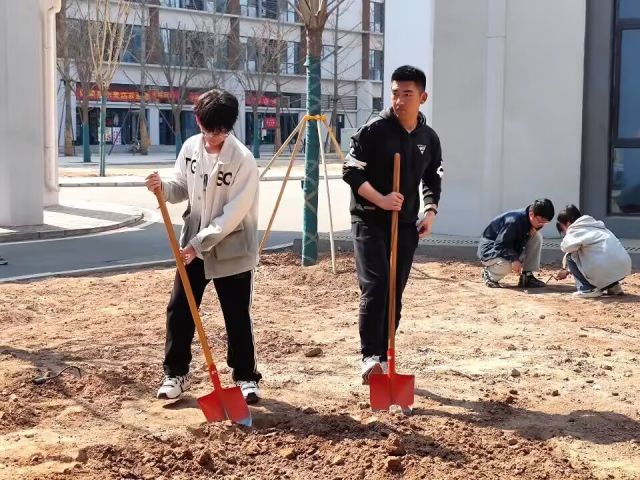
<point>63,51</point>
<point>177,129</point>
<point>310,216</point>
<point>142,114</point>
<point>145,141</point>
<point>103,147</point>
<point>277,142</point>
<point>86,147</point>
<point>69,149</point>
<point>256,133</point>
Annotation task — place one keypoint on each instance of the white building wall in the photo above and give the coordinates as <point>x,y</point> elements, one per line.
<point>408,41</point>
<point>507,104</point>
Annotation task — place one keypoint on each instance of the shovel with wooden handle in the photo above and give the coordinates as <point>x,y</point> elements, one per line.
<point>391,388</point>
<point>222,403</point>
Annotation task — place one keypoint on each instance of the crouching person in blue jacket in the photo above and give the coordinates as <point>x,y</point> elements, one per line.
<point>218,176</point>
<point>512,243</point>
<point>593,255</point>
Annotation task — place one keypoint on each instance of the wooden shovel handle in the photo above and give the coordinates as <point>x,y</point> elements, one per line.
<point>186,284</point>
<point>393,267</point>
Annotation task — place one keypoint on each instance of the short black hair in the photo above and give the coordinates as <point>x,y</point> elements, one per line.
<point>408,73</point>
<point>217,110</point>
<point>567,215</point>
<point>543,207</point>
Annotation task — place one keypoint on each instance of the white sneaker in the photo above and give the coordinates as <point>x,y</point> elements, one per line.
<point>588,293</point>
<point>370,366</point>
<point>615,290</point>
<point>172,387</point>
<point>250,391</point>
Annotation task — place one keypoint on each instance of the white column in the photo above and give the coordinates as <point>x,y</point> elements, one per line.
<point>493,171</point>
<point>154,124</point>
<point>22,112</point>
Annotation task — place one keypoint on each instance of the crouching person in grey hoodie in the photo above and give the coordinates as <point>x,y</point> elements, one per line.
<point>593,255</point>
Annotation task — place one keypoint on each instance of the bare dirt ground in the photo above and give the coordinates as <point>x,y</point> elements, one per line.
<point>508,384</point>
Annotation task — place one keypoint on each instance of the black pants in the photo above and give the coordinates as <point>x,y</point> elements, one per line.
<point>372,247</point>
<point>234,294</point>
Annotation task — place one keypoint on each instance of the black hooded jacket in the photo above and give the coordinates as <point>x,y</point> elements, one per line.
<point>370,159</point>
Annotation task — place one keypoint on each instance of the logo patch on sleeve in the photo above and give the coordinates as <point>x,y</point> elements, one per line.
<point>422,148</point>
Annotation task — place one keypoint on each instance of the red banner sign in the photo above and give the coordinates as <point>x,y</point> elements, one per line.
<point>269,123</point>
<point>263,101</point>
<point>130,94</point>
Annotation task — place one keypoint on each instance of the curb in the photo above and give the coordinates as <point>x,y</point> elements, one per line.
<point>140,183</point>
<point>448,252</point>
<point>116,268</point>
<point>71,232</point>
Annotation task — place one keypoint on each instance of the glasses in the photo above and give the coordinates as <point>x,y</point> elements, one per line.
<point>214,134</point>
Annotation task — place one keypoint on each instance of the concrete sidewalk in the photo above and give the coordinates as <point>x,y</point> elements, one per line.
<point>79,218</point>
<point>133,175</point>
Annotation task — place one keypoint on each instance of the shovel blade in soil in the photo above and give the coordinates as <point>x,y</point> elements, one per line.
<point>387,390</point>
<point>227,403</point>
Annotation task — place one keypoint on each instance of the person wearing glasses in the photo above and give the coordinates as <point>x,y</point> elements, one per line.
<point>218,176</point>
<point>512,243</point>
<point>593,255</point>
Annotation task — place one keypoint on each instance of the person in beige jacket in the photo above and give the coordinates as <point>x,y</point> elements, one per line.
<point>218,176</point>
<point>593,255</point>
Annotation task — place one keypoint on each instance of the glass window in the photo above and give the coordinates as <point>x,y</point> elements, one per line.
<point>376,17</point>
<point>249,8</point>
<point>134,47</point>
<point>629,9</point>
<point>629,94</point>
<point>291,58</point>
<point>624,170</point>
<point>625,181</point>
<point>326,63</point>
<point>375,65</point>
<point>377,104</point>
<point>287,12</point>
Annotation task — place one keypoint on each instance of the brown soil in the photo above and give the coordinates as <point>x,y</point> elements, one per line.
<point>508,384</point>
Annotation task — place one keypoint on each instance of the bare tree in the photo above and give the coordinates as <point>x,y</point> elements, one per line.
<point>76,68</point>
<point>216,44</point>
<point>64,69</point>
<point>143,49</point>
<point>340,49</point>
<point>182,57</point>
<point>108,37</point>
<point>260,68</point>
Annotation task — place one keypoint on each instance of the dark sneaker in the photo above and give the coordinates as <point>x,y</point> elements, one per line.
<point>3,261</point>
<point>528,280</point>
<point>488,281</point>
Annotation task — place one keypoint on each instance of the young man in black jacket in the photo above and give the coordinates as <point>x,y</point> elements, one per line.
<point>368,169</point>
<point>512,243</point>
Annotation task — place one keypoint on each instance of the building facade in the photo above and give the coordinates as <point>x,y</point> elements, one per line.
<point>530,99</point>
<point>254,48</point>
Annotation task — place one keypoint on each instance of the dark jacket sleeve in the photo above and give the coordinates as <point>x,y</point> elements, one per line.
<point>507,240</point>
<point>432,176</point>
<point>354,168</point>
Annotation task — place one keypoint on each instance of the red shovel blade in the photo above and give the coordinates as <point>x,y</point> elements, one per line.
<point>226,403</point>
<point>391,389</point>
